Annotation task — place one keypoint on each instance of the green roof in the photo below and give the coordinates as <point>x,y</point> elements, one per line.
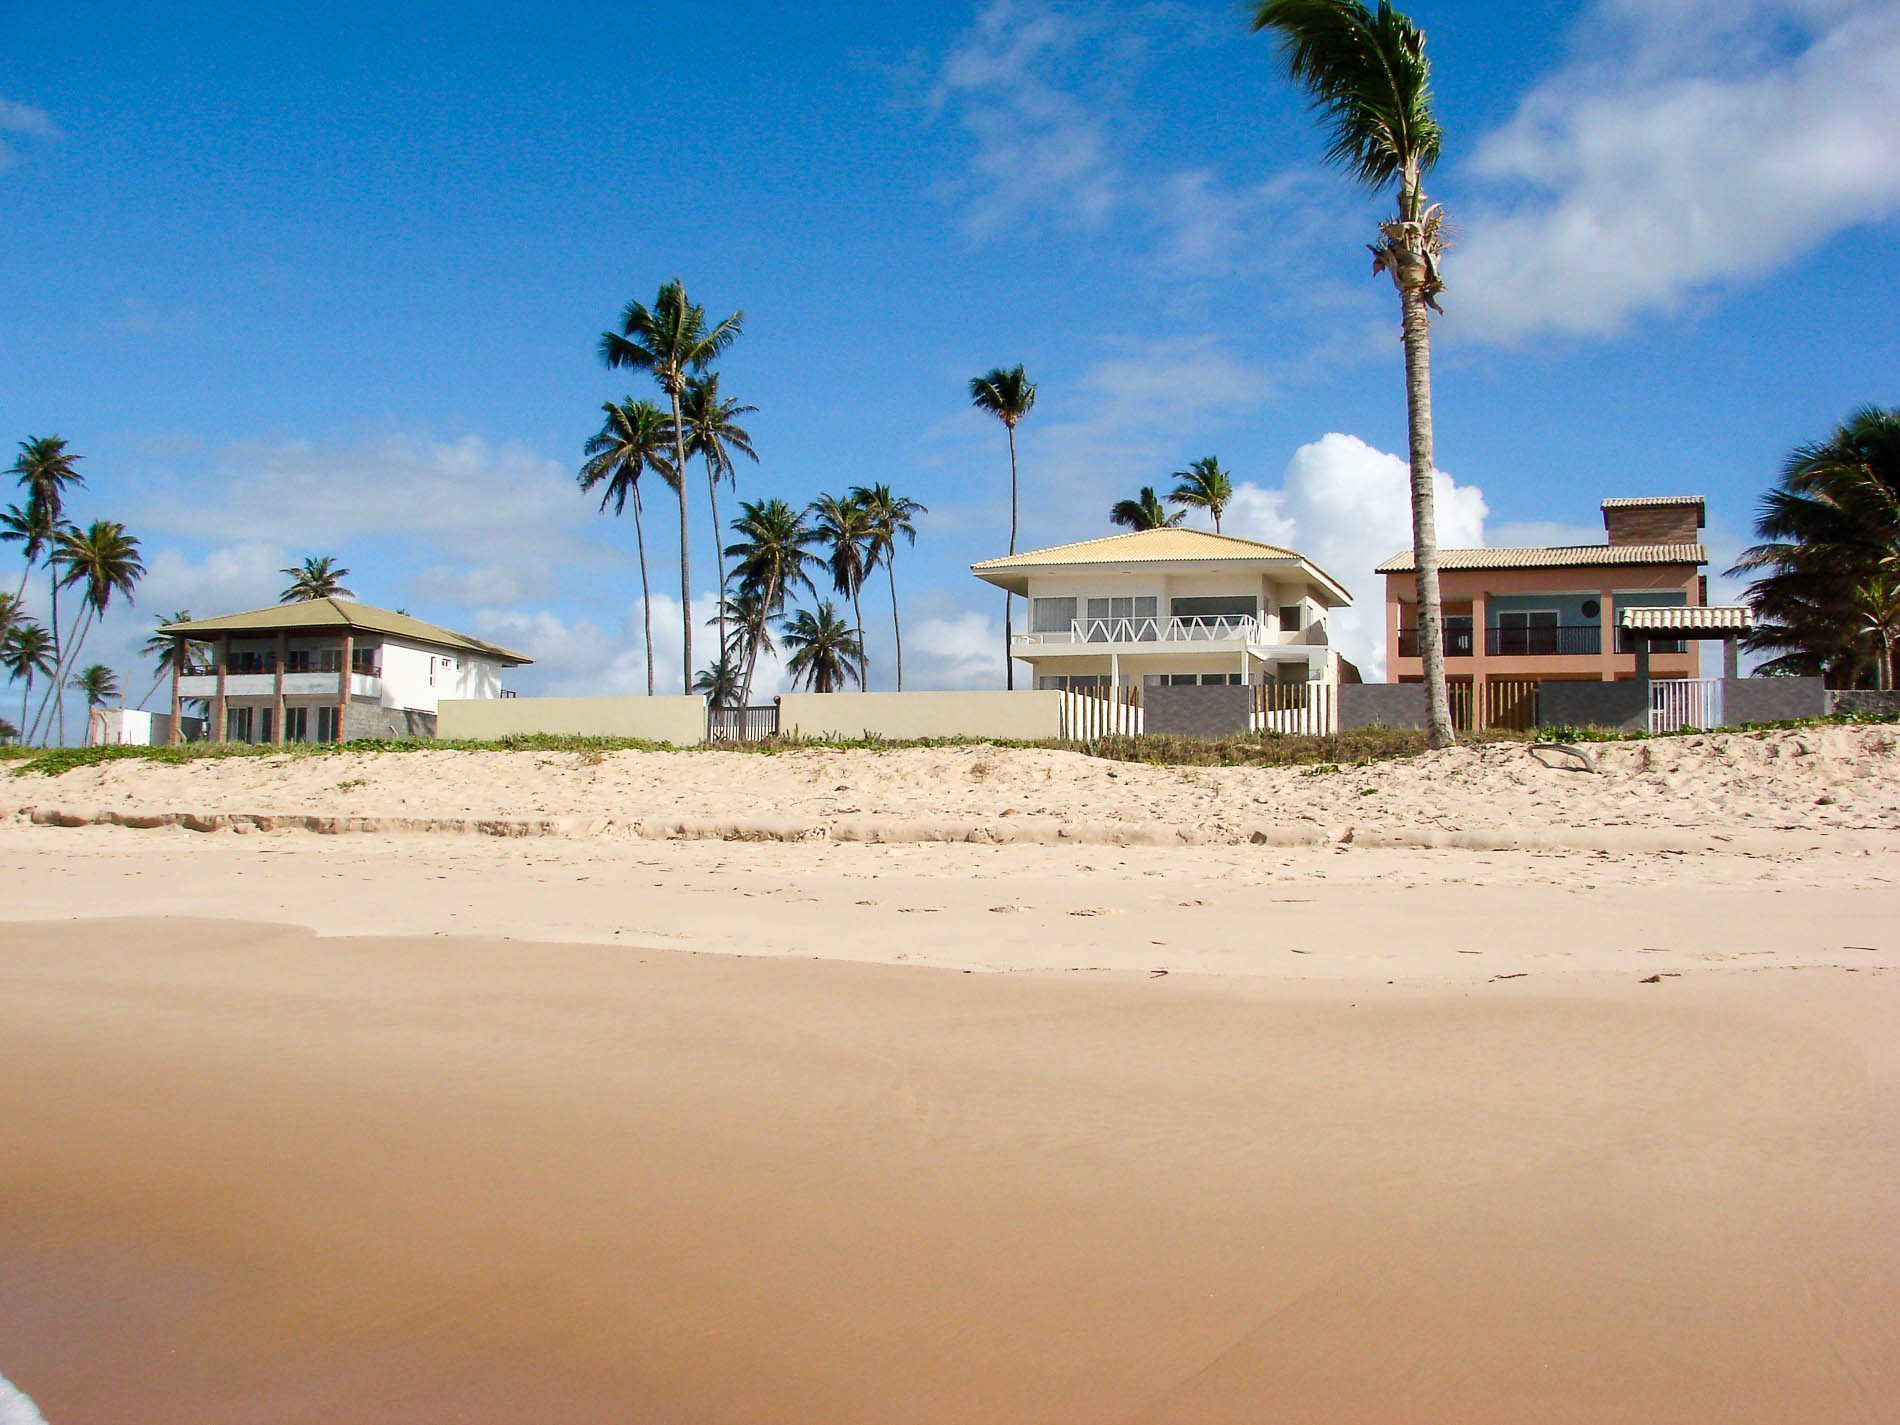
<point>325,615</point>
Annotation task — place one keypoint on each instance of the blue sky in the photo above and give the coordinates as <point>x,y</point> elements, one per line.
<point>330,282</point>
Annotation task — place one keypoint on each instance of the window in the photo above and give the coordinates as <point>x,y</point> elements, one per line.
<point>296,724</point>
<point>1051,615</point>
<point>264,716</point>
<point>1211,606</point>
<point>1102,611</point>
<point>363,660</point>
<point>237,724</point>
<point>326,723</point>
<point>1289,618</point>
<point>1527,631</point>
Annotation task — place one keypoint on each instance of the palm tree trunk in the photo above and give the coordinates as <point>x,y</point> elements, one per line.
<point>752,643</point>
<point>646,594</point>
<point>1418,406</point>
<point>1009,599</point>
<point>53,571</point>
<point>686,576</point>
<point>55,696</point>
<point>719,549</point>
<point>864,656</point>
<point>897,632</point>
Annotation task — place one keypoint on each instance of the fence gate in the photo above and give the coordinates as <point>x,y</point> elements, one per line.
<point>741,724</point>
<point>1676,703</point>
<point>1510,702</point>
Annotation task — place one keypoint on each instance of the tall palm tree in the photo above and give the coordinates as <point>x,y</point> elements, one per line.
<point>162,649</point>
<point>1009,395</point>
<point>1368,76</point>
<point>671,340</point>
<point>318,578</point>
<point>634,438</point>
<point>719,682</point>
<point>31,527</point>
<point>44,468</point>
<point>1145,511</point>
<point>26,653</point>
<point>825,650</point>
<point>1204,486</point>
<point>102,560</point>
<point>12,612</point>
<point>748,633</point>
<point>889,516</point>
<point>714,434</point>
<point>1877,602</point>
<point>98,682</point>
<point>844,526</point>
<point>775,558</point>
<point>1829,527</point>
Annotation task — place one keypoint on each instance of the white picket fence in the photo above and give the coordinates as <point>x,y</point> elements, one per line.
<point>1296,709</point>
<point>1676,703</point>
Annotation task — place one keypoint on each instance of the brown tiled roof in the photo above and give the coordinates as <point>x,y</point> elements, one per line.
<point>1642,502</point>
<point>1685,618</point>
<point>1554,557</point>
<point>314,614</point>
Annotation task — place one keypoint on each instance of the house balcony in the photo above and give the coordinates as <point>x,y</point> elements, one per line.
<point>264,685</point>
<point>1547,641</point>
<point>1210,633</point>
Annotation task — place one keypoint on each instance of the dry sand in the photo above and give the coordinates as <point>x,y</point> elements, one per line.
<point>405,1127</point>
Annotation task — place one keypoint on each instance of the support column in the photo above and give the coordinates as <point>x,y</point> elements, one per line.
<point>277,691</point>
<point>178,663</point>
<point>1641,638</point>
<point>1607,615</point>
<point>1731,658</point>
<point>219,716</point>
<point>343,685</point>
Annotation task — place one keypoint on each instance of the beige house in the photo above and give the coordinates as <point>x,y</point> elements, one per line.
<point>1169,606</point>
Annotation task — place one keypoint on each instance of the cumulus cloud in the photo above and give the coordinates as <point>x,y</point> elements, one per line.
<point>1347,506</point>
<point>952,651</point>
<point>1690,146</point>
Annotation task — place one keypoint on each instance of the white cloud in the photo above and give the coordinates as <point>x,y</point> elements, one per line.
<point>1347,506</point>
<point>23,121</point>
<point>1689,147</point>
<point>1520,533</point>
<point>963,650</point>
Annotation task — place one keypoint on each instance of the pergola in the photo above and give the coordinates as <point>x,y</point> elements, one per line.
<point>1677,623</point>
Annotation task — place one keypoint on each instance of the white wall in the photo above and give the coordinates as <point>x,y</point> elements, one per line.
<point>420,678</point>
<point>1015,716</point>
<point>678,720</point>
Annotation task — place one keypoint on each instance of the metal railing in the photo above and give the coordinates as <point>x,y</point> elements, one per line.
<point>1544,640</point>
<point>1676,703</point>
<point>1457,641</point>
<point>751,724</point>
<point>1206,628</point>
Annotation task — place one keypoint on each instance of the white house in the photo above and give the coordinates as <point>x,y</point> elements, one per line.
<point>327,670</point>
<point>1171,606</point>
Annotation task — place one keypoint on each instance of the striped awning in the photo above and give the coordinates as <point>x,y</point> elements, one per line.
<point>1689,621</point>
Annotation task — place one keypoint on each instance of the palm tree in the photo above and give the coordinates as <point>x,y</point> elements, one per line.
<point>1145,511</point>
<point>1368,76</point>
<point>1877,602</point>
<point>12,611</point>
<point>889,516</point>
<point>1009,395</point>
<point>162,649</point>
<point>319,578</point>
<point>671,340</point>
<point>44,468</point>
<point>1829,528</point>
<point>1204,486</point>
<point>98,682</point>
<point>826,652</point>
<point>719,682</point>
<point>632,440</point>
<point>103,560</point>
<point>713,434</point>
<point>28,526</point>
<point>845,527</point>
<point>26,652</point>
<point>8,732</point>
<point>774,559</point>
<point>748,633</point>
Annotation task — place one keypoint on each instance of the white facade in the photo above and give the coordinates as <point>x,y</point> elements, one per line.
<point>399,674</point>
<point>1177,606</point>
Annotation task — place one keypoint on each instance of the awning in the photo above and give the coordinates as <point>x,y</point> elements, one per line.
<point>1691,621</point>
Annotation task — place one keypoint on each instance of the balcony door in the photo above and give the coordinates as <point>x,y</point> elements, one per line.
<point>1119,620</point>
<point>1527,631</point>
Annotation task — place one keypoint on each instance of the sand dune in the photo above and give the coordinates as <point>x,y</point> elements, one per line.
<point>1647,794</point>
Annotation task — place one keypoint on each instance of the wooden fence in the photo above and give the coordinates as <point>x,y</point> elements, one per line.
<point>1507,702</point>
<point>1101,712</point>
<point>1295,709</point>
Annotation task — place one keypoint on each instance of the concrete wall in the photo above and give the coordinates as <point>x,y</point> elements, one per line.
<point>1772,699</point>
<point>1585,704</point>
<point>1019,716</point>
<point>1863,700</point>
<point>1195,711</point>
<point>679,720</point>
<point>1381,705</point>
<point>365,721</point>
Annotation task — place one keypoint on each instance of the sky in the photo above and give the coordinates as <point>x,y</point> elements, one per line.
<point>329,281</point>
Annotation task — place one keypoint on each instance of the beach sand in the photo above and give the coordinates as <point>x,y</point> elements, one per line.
<point>413,1127</point>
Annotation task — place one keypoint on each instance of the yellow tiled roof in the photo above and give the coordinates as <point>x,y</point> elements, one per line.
<point>1553,556</point>
<point>341,614</point>
<point>1155,546</point>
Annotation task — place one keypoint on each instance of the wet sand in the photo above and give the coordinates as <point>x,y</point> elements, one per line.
<point>250,1174</point>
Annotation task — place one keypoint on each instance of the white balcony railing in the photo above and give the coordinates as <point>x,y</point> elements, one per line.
<point>1213,628</point>
<point>264,685</point>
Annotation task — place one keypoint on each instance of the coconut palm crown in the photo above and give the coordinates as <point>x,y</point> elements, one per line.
<point>889,516</point>
<point>1008,394</point>
<point>1145,511</point>
<point>1204,486</point>
<point>1367,75</point>
<point>825,650</point>
<point>316,578</point>
<point>634,437</point>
